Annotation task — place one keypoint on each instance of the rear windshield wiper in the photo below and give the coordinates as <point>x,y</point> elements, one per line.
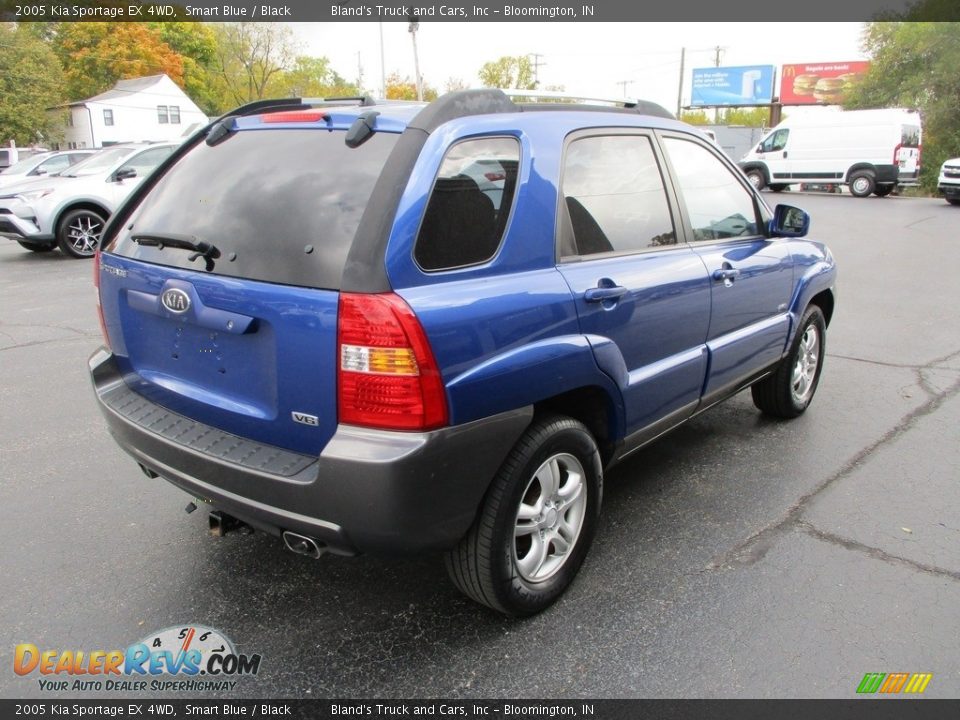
<point>207,251</point>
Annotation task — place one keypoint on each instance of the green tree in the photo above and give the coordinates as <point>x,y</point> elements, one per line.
<point>31,81</point>
<point>694,117</point>
<point>251,57</point>
<point>749,117</point>
<point>508,72</point>
<point>914,65</point>
<point>313,77</point>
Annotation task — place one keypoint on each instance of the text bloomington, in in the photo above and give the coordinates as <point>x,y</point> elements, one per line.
<point>400,12</point>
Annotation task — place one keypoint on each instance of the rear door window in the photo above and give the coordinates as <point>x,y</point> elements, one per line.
<point>469,206</point>
<point>280,205</point>
<point>614,197</point>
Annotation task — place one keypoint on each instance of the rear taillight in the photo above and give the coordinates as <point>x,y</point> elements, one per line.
<point>896,154</point>
<point>96,290</point>
<point>387,375</point>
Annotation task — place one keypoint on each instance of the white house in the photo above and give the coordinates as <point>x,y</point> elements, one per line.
<point>141,109</point>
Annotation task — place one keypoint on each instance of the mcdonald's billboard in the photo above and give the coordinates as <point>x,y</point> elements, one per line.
<point>812,84</point>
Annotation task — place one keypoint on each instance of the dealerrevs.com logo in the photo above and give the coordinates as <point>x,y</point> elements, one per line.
<point>186,658</point>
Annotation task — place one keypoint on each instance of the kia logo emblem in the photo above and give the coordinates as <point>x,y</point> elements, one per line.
<point>176,301</point>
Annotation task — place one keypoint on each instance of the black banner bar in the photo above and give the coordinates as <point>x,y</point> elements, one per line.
<point>856,709</point>
<point>475,11</point>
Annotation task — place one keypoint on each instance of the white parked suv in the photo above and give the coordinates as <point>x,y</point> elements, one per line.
<point>69,210</point>
<point>41,164</point>
<point>949,181</point>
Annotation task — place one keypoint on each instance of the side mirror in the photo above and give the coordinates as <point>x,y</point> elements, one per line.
<point>789,221</point>
<point>125,174</point>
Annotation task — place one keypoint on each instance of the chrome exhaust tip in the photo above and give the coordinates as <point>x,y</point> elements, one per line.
<point>303,545</point>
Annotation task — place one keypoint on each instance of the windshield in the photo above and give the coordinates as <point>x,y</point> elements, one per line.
<point>25,166</point>
<point>98,162</point>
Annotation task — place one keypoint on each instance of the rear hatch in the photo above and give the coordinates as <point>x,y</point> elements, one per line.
<point>243,337</point>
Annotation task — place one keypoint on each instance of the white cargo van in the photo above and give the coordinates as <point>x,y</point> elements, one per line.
<point>870,151</point>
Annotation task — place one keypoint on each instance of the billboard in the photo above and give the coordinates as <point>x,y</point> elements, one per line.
<point>745,85</point>
<point>813,83</point>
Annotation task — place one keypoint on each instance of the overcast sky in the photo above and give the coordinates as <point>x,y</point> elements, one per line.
<point>586,58</point>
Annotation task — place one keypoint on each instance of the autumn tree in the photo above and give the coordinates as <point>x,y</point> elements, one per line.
<point>914,65</point>
<point>94,55</point>
<point>406,89</point>
<point>196,43</point>
<point>30,82</point>
<point>508,72</point>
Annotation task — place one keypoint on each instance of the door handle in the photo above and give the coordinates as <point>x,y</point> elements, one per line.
<point>784,154</point>
<point>604,292</point>
<point>727,273</point>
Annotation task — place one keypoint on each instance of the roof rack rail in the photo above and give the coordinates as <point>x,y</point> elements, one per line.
<point>361,100</point>
<point>644,107</point>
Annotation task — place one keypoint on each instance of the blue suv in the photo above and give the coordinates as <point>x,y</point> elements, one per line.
<point>395,328</point>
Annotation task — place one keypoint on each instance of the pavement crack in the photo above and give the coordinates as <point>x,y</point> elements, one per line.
<point>34,343</point>
<point>873,552</point>
<point>755,547</point>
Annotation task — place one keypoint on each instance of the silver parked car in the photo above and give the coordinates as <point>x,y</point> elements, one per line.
<point>70,209</point>
<point>41,164</point>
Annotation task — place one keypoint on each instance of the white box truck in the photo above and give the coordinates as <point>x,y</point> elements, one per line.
<point>870,151</point>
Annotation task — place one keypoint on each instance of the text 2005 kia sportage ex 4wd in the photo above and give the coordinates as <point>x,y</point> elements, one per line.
<point>402,327</point>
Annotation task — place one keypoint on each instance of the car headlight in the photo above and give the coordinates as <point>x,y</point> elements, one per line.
<point>32,195</point>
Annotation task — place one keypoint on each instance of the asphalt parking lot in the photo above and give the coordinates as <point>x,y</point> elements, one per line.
<point>738,557</point>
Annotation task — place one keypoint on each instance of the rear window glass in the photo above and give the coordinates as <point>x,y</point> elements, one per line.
<point>910,136</point>
<point>280,205</point>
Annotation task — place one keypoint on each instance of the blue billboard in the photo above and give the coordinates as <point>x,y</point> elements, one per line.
<point>745,85</point>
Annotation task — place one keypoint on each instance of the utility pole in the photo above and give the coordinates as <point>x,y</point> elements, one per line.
<point>359,74</point>
<point>536,68</point>
<point>716,62</point>
<point>412,29</point>
<point>383,66</point>
<point>623,86</point>
<point>683,56</point>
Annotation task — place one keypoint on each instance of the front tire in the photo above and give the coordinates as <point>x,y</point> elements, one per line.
<point>78,233</point>
<point>779,187</point>
<point>756,178</point>
<point>536,523</point>
<point>789,390</point>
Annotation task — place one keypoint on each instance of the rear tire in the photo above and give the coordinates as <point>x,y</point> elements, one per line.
<point>884,190</point>
<point>862,184</point>
<point>37,247</point>
<point>953,201</point>
<point>536,522</point>
<point>788,391</point>
<point>79,231</point>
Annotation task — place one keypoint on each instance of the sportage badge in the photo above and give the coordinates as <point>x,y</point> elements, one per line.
<point>175,300</point>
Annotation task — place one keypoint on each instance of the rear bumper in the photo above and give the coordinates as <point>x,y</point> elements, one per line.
<point>369,490</point>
